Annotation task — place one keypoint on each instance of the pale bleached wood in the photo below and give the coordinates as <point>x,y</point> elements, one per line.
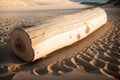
<point>36,42</point>
<point>61,21</point>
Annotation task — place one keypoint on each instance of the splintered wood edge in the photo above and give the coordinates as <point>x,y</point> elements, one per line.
<point>21,45</point>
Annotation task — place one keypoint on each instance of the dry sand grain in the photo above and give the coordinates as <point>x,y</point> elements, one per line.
<point>96,57</point>
<point>16,3</point>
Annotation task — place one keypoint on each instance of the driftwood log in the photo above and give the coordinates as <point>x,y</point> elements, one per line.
<point>38,41</point>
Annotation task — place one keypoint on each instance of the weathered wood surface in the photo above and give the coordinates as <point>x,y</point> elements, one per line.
<point>38,41</point>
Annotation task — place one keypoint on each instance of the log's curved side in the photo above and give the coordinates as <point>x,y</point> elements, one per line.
<point>37,42</point>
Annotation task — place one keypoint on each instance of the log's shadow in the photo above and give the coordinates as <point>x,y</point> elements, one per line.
<point>7,55</point>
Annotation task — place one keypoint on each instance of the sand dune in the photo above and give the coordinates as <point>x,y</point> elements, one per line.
<point>26,3</point>
<point>50,1</point>
<point>15,3</point>
<point>96,57</point>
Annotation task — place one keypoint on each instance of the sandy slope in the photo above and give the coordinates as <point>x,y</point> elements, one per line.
<point>24,3</point>
<point>96,57</point>
<point>51,1</point>
<point>15,3</point>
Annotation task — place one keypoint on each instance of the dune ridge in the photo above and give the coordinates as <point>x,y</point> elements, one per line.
<point>15,3</point>
<point>99,58</point>
<point>27,3</point>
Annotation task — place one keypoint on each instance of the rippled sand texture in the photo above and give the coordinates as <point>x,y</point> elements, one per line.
<point>101,58</point>
<point>8,22</point>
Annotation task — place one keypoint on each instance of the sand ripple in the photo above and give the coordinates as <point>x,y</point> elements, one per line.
<point>101,57</point>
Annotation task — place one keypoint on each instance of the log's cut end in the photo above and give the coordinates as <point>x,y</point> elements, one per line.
<point>21,45</point>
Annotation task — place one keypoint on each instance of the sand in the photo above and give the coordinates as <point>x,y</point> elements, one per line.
<point>22,3</point>
<point>15,3</point>
<point>97,57</point>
